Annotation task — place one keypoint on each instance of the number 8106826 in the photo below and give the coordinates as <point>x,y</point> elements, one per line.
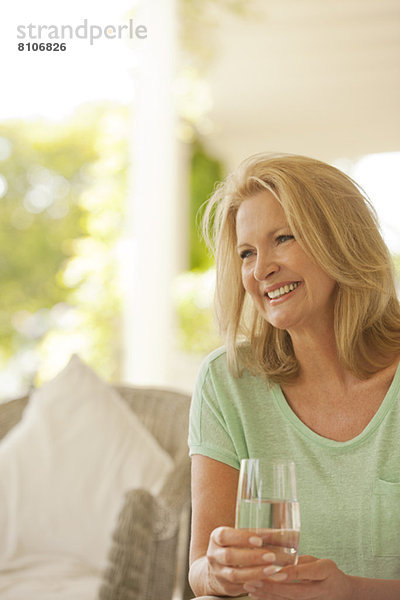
<point>42,47</point>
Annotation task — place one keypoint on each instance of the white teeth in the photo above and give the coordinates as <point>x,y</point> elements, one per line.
<point>285,289</point>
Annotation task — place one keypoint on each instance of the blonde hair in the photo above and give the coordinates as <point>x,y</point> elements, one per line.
<point>336,225</point>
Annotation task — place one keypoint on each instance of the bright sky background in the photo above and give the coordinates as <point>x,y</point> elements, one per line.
<point>52,83</point>
<point>379,176</point>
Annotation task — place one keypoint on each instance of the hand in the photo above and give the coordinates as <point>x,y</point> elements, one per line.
<point>310,579</point>
<point>235,557</point>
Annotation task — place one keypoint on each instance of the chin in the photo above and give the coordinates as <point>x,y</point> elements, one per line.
<point>279,322</point>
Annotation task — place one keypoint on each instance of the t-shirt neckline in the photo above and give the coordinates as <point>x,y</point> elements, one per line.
<point>391,395</point>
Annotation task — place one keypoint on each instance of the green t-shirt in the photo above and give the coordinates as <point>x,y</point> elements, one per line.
<point>349,492</point>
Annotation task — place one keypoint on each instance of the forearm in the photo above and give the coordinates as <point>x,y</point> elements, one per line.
<point>375,589</point>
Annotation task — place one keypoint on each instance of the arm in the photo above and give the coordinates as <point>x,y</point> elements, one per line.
<point>222,559</point>
<point>214,486</point>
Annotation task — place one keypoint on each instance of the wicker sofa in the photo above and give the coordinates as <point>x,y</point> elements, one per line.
<point>148,554</point>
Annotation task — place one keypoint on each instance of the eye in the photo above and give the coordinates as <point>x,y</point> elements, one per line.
<point>284,238</point>
<point>245,254</point>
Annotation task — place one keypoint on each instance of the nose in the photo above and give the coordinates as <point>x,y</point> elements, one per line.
<point>265,267</point>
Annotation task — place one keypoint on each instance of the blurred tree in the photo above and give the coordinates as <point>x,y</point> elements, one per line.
<point>194,289</point>
<point>61,209</point>
<point>205,172</point>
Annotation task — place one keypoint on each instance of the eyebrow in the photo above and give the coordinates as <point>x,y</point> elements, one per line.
<point>238,246</point>
<point>271,233</point>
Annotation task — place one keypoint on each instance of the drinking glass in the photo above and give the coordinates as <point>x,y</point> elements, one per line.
<point>267,505</point>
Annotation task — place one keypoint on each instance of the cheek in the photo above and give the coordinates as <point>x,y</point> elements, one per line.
<point>247,278</point>
<point>323,286</point>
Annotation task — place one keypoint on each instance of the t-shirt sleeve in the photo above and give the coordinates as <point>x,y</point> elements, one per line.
<point>208,431</point>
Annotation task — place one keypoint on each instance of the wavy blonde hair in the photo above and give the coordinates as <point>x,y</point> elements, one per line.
<point>336,225</point>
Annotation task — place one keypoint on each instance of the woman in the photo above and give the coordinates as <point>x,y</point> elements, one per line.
<point>310,371</point>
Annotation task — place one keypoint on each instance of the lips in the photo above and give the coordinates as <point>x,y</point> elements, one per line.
<point>282,290</point>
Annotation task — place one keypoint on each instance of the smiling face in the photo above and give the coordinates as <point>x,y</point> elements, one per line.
<point>288,289</point>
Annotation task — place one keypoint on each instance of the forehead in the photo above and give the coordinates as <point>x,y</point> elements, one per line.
<point>259,211</point>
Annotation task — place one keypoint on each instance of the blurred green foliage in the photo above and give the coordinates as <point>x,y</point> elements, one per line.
<point>61,209</point>
<point>194,292</point>
<point>62,205</point>
<point>205,172</point>
<point>194,289</point>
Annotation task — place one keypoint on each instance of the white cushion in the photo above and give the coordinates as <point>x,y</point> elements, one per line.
<point>65,467</point>
<point>49,577</point>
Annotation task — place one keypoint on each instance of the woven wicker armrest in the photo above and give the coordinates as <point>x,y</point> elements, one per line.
<point>141,565</point>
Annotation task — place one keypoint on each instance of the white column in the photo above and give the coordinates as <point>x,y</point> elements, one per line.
<point>152,232</point>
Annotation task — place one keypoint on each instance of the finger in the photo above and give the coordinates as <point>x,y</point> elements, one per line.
<point>242,575</point>
<point>311,570</point>
<point>242,557</point>
<point>306,558</point>
<point>279,591</point>
<point>229,536</point>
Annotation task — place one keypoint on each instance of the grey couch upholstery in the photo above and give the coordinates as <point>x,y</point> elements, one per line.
<point>148,557</point>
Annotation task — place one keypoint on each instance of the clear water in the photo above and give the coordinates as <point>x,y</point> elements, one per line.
<point>277,523</point>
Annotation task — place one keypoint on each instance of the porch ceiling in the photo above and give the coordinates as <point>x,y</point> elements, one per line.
<point>318,77</point>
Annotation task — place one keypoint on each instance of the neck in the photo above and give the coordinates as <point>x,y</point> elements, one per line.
<point>316,352</point>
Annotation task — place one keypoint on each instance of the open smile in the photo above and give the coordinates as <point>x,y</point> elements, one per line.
<point>282,291</point>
